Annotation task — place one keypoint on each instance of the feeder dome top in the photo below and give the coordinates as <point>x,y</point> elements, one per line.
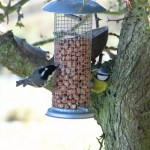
<point>73,7</point>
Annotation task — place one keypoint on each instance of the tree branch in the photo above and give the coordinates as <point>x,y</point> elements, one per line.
<point>42,42</point>
<point>111,47</point>
<point>8,9</point>
<point>116,20</point>
<point>114,34</point>
<point>19,56</point>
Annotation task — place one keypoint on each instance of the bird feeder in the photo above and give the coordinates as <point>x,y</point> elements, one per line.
<point>72,52</point>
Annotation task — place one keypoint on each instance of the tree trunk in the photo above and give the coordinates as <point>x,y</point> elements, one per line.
<point>123,111</point>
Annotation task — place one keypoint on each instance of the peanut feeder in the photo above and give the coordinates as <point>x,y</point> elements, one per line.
<point>72,52</point>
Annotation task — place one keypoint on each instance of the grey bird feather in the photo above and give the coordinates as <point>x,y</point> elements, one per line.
<point>31,80</point>
<point>39,77</point>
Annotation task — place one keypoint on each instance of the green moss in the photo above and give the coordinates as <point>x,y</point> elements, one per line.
<point>145,142</point>
<point>101,104</point>
<point>11,58</point>
<point>145,128</point>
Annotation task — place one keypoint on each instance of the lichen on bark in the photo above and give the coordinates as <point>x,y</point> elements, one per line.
<point>123,110</point>
<point>10,57</point>
<point>20,57</point>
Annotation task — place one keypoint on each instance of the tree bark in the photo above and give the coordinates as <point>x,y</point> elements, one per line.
<point>20,57</point>
<point>123,111</point>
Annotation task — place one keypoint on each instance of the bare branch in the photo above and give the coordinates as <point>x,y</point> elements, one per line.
<point>111,47</point>
<point>114,34</point>
<point>8,9</point>
<point>43,42</point>
<point>97,19</point>
<point>19,56</point>
<point>116,20</point>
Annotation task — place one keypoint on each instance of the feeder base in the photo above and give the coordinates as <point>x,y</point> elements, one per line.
<point>79,113</point>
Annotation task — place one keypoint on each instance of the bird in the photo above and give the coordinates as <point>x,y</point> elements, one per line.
<point>100,80</point>
<point>102,74</point>
<point>39,78</point>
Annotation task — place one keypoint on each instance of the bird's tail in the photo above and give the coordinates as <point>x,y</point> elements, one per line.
<point>20,82</point>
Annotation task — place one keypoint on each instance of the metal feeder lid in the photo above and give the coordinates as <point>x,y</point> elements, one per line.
<point>73,7</point>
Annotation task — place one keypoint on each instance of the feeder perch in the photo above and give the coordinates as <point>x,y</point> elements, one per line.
<point>72,52</point>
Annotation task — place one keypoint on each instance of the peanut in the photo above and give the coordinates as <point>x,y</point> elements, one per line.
<point>73,76</point>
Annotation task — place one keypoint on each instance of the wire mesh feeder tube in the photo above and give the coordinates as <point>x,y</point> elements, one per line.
<point>71,94</point>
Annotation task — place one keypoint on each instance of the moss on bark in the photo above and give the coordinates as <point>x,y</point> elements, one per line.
<point>123,110</point>
<point>10,57</point>
<point>20,57</point>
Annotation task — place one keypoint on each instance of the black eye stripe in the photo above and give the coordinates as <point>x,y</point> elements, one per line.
<point>102,74</point>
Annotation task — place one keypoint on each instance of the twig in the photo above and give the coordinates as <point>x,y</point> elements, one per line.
<point>8,9</point>
<point>101,141</point>
<point>117,20</point>
<point>43,42</point>
<point>111,47</point>
<point>97,19</point>
<point>111,55</point>
<point>114,34</point>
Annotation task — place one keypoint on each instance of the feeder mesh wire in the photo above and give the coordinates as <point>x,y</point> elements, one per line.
<point>72,34</point>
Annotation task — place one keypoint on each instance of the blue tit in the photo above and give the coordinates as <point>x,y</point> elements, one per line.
<point>100,80</point>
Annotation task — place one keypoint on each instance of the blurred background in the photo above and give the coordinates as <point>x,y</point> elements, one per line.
<point>23,123</point>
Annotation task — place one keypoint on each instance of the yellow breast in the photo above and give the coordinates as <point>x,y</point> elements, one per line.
<point>98,86</point>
